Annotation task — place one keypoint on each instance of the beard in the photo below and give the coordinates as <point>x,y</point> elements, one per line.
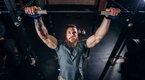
<point>72,42</point>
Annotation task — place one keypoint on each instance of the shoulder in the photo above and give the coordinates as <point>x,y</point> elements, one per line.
<point>60,44</point>
<point>82,43</point>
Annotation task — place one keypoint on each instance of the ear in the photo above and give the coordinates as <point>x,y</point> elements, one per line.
<point>79,31</point>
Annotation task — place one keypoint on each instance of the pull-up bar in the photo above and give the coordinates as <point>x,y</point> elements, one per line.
<point>73,11</point>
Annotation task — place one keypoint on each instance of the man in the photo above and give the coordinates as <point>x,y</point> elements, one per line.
<point>70,51</point>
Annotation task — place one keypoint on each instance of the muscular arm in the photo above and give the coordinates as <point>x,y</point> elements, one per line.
<point>103,29</point>
<point>99,34</point>
<point>42,32</point>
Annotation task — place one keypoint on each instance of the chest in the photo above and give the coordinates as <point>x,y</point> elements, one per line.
<point>67,53</point>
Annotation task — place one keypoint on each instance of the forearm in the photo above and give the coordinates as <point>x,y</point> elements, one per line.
<point>103,29</point>
<point>42,32</point>
<point>40,28</point>
<point>99,34</point>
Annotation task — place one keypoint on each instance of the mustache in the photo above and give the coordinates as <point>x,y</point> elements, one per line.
<point>72,37</point>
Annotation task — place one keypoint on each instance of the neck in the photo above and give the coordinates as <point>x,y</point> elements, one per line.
<point>74,44</point>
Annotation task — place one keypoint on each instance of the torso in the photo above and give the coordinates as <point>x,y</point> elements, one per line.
<point>69,60</point>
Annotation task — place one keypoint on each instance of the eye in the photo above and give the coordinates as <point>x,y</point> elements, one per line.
<point>74,32</point>
<point>69,32</point>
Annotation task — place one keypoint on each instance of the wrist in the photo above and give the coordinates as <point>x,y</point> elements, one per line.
<point>111,17</point>
<point>107,17</point>
<point>35,16</point>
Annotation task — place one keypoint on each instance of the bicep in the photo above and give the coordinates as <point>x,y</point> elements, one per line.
<point>50,41</point>
<point>92,41</point>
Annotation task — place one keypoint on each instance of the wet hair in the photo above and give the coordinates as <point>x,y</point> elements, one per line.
<point>2,29</point>
<point>70,26</point>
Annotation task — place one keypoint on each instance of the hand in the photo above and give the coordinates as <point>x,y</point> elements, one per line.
<point>113,11</point>
<point>32,10</point>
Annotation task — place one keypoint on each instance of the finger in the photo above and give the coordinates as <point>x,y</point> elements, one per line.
<point>112,11</point>
<point>115,12</point>
<point>31,10</point>
<point>34,9</point>
<point>118,11</point>
<point>108,10</point>
<point>26,10</point>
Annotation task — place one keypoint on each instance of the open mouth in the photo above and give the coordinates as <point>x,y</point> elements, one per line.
<point>72,38</point>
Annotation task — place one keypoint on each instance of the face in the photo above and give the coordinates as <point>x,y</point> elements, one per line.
<point>72,35</point>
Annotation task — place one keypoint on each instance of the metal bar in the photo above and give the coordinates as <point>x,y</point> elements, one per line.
<point>127,37</point>
<point>4,12</point>
<point>117,4</point>
<point>121,39</point>
<point>47,2</point>
<point>97,4</point>
<point>11,11</point>
<point>83,12</point>
<point>46,12</point>
<point>75,12</point>
<point>119,52</point>
<point>13,4</point>
<point>22,39</point>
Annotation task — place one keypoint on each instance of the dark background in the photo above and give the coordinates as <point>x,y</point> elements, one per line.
<point>47,67</point>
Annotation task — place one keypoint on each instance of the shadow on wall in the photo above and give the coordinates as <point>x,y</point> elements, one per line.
<point>134,66</point>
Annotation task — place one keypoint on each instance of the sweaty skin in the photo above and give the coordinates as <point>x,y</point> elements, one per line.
<point>70,52</point>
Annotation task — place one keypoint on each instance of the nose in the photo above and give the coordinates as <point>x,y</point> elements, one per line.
<point>72,34</point>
